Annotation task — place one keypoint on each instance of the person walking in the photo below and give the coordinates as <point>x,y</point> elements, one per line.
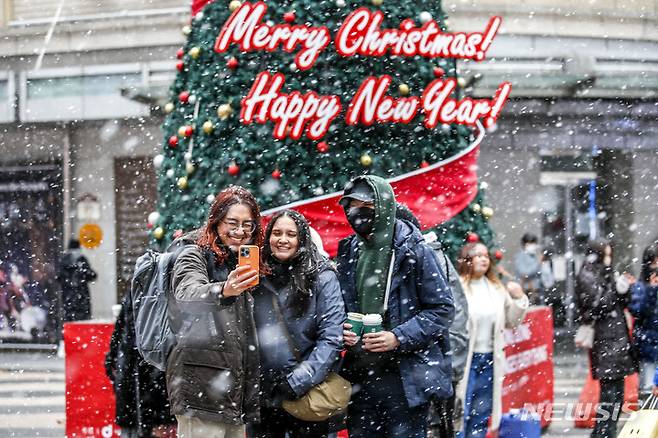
<point>493,307</point>
<point>74,275</point>
<point>528,268</point>
<point>213,371</point>
<point>299,312</point>
<point>142,405</point>
<point>644,307</point>
<point>601,302</point>
<point>388,272</point>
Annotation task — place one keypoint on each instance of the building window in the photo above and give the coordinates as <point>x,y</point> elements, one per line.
<point>81,93</point>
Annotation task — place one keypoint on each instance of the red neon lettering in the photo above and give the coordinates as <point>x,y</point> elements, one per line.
<point>371,104</point>
<point>245,28</point>
<point>294,114</point>
<point>361,34</point>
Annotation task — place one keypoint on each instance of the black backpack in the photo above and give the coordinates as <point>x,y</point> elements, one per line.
<point>152,310</point>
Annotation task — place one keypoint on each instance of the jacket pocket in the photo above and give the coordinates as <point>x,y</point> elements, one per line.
<point>210,381</point>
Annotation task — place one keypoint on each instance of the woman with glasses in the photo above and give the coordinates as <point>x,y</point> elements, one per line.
<point>299,315</point>
<point>213,371</point>
<point>492,308</point>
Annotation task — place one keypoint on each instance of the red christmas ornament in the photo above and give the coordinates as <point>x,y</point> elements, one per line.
<point>424,164</point>
<point>149,226</point>
<point>180,53</point>
<point>323,147</point>
<point>232,63</point>
<point>188,130</point>
<point>184,96</point>
<point>276,174</point>
<point>233,169</point>
<point>289,17</point>
<point>173,141</point>
<point>178,233</point>
<point>180,65</point>
<point>438,72</point>
<point>472,238</point>
<point>498,254</point>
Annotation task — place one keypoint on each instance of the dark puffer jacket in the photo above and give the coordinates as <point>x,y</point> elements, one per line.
<point>644,307</point>
<point>317,333</point>
<point>612,355</point>
<point>140,388</point>
<point>74,274</point>
<point>420,312</point>
<point>213,371</point>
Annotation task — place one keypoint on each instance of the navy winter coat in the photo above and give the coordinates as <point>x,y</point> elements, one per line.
<point>420,312</point>
<point>317,333</point>
<point>644,307</point>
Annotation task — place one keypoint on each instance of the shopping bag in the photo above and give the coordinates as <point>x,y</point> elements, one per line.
<point>519,424</point>
<point>643,423</point>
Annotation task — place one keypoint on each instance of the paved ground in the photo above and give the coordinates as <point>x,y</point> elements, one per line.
<point>32,392</point>
<point>31,395</point>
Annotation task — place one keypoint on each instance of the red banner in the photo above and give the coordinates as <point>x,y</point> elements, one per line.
<point>197,5</point>
<point>435,194</point>
<point>529,354</point>
<point>89,394</point>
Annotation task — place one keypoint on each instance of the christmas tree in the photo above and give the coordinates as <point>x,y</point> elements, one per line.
<point>208,147</point>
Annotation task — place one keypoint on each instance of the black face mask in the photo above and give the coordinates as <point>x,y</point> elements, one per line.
<point>361,219</point>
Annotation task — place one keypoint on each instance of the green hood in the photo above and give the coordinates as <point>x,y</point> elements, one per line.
<point>375,252</point>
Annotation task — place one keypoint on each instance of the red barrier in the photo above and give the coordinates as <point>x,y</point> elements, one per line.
<point>529,355</point>
<point>89,394</point>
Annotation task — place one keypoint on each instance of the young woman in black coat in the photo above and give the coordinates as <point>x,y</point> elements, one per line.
<point>309,307</point>
<point>601,303</point>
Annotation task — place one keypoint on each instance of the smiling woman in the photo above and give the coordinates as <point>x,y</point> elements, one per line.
<point>298,348</point>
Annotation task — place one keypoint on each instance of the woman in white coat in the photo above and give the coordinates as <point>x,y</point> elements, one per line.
<point>493,307</point>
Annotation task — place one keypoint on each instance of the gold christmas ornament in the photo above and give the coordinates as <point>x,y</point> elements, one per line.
<point>366,160</point>
<point>461,82</point>
<point>195,52</point>
<point>181,131</point>
<point>169,107</point>
<point>182,182</point>
<point>187,30</point>
<point>235,4</point>
<point>190,168</point>
<point>377,2</point>
<point>224,111</point>
<point>404,89</point>
<point>158,233</point>
<point>208,127</point>
<point>476,208</point>
<point>487,212</point>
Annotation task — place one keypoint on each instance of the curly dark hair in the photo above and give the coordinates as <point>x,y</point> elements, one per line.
<point>305,264</point>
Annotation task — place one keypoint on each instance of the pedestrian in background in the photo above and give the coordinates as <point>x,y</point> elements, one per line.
<point>388,273</point>
<point>299,313</point>
<point>442,411</point>
<point>601,302</point>
<point>493,307</point>
<point>74,275</point>
<point>142,406</point>
<point>528,268</point>
<point>644,307</point>
<point>213,371</point>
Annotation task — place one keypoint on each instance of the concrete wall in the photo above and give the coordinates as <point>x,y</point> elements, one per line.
<point>39,9</point>
<point>645,198</point>
<point>609,19</point>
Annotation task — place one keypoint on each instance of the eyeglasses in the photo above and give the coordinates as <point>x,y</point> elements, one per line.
<point>233,225</point>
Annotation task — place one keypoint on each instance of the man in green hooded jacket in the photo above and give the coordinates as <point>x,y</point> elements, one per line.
<point>386,268</point>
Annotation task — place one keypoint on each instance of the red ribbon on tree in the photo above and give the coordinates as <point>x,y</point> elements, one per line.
<point>434,194</point>
<point>197,5</point>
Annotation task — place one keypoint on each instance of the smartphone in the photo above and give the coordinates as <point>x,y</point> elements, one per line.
<point>249,255</point>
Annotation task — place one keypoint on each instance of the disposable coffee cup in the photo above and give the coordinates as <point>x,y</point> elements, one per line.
<point>372,323</point>
<point>356,319</point>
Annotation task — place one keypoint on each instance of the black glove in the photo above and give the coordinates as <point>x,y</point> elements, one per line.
<point>285,391</point>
